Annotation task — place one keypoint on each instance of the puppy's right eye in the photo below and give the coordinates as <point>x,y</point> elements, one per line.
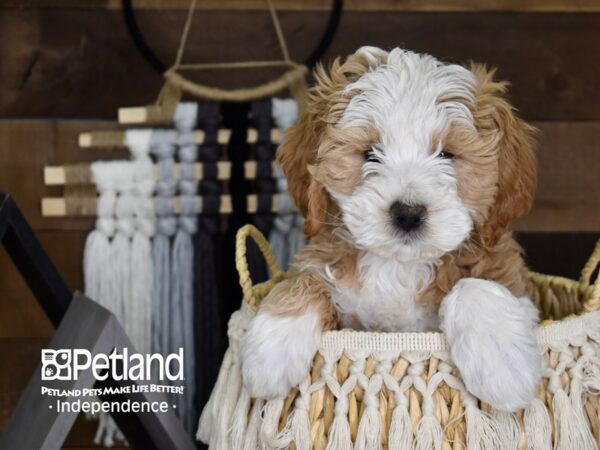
<point>370,156</point>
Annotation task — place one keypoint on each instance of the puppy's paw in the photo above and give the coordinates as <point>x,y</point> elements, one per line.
<point>277,352</point>
<point>491,335</point>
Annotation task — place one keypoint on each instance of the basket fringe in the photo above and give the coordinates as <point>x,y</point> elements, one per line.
<point>401,433</point>
<point>572,430</point>
<point>538,431</point>
<point>339,435</point>
<point>300,428</point>
<point>269,431</point>
<point>429,434</point>
<point>239,420</point>
<point>232,420</point>
<point>482,430</point>
<point>369,427</point>
<point>251,441</point>
<point>369,430</point>
<point>508,429</point>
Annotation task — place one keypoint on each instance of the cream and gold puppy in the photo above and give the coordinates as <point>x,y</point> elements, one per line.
<point>409,172</point>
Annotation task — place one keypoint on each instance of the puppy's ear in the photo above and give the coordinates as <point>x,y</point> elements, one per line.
<point>514,142</point>
<point>301,148</point>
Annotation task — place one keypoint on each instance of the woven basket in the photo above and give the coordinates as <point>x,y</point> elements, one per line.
<point>372,390</point>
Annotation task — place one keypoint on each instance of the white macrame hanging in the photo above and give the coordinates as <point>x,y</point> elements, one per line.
<point>119,271</point>
<point>97,276</point>
<point>97,246</point>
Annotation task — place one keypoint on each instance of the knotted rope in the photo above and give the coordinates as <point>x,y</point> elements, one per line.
<point>182,270</point>
<point>287,236</point>
<point>139,306</point>
<point>163,148</point>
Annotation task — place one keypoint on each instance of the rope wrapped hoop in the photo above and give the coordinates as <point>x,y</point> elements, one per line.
<point>293,77</point>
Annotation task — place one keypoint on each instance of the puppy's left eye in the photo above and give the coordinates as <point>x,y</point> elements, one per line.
<point>370,156</point>
<point>445,154</point>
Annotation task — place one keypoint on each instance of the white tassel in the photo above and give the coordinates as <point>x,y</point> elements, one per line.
<point>369,430</point>
<point>508,429</point>
<point>207,426</point>
<point>206,420</point>
<point>482,431</point>
<point>429,434</point>
<point>228,402</point>
<point>401,433</point>
<point>300,426</point>
<point>538,431</point>
<point>269,432</point>
<point>339,437</point>
<point>571,428</point>
<point>107,431</point>
<point>96,268</point>
<point>96,263</point>
<point>251,441</point>
<point>239,420</point>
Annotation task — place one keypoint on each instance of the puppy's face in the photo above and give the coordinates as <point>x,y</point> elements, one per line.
<point>415,156</point>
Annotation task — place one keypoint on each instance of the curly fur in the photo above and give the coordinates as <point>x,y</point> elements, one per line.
<point>358,270</point>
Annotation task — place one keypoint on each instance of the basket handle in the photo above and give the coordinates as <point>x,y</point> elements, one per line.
<point>593,302</point>
<point>241,260</point>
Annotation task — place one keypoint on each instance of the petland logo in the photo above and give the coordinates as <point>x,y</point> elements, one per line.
<point>67,364</point>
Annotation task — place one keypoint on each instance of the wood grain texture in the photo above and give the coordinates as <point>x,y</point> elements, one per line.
<point>21,355</point>
<point>81,62</point>
<point>324,5</point>
<point>27,319</point>
<point>568,193</point>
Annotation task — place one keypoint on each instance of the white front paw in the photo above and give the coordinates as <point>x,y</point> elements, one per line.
<point>491,335</point>
<point>277,352</point>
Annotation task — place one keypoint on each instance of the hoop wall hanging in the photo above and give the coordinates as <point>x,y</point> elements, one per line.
<point>176,83</point>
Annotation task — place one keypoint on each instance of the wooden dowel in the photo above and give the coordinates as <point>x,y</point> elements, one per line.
<point>116,139</point>
<point>136,114</point>
<point>58,206</point>
<point>56,175</point>
<point>252,203</point>
<point>250,169</point>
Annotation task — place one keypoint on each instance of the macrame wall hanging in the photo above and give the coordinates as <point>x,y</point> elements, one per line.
<point>158,256</point>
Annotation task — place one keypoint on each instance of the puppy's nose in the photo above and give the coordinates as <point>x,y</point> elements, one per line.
<point>407,217</point>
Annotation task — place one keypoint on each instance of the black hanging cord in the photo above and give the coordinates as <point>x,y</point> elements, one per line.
<point>332,26</point>
<point>159,66</point>
<point>139,40</point>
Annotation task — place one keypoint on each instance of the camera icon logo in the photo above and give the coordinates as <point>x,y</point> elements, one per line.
<point>56,364</point>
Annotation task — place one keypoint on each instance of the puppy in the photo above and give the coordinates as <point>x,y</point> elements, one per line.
<point>409,172</point>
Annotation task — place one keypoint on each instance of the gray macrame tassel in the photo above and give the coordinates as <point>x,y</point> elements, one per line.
<point>144,220</point>
<point>182,270</point>
<point>163,147</point>
<point>287,236</point>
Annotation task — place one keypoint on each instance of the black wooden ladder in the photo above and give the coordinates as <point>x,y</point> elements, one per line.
<point>81,323</point>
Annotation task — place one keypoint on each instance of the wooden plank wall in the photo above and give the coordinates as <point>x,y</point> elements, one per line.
<point>68,65</point>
